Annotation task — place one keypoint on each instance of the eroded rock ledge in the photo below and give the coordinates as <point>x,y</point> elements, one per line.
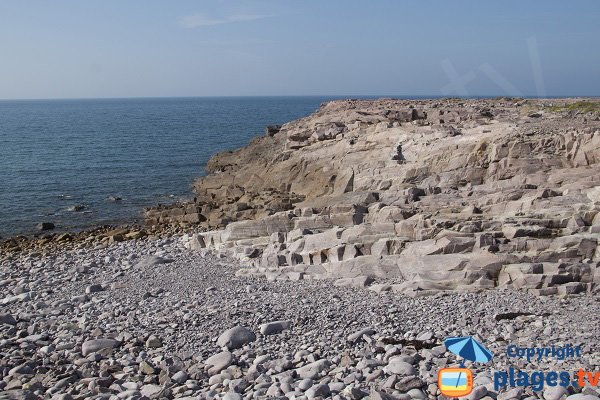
<point>412,196</point>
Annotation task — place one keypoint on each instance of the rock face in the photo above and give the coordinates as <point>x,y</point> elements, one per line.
<point>436,195</point>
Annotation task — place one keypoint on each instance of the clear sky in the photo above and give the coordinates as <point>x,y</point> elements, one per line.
<point>144,48</point>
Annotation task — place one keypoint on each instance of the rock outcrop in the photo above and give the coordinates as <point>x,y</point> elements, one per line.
<point>412,196</point>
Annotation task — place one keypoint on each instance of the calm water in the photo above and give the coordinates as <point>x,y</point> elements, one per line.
<point>58,154</point>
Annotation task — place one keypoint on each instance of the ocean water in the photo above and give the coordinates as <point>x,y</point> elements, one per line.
<point>61,161</point>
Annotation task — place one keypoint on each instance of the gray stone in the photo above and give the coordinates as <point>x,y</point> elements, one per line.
<point>514,393</point>
<point>146,368</point>
<point>154,342</point>
<point>399,367</point>
<point>94,345</point>
<point>354,337</point>
<point>232,396</point>
<point>150,261</point>
<point>478,393</point>
<point>416,394</point>
<point>305,384</point>
<point>236,337</point>
<point>554,392</point>
<point>218,362</point>
<point>94,288</point>
<point>18,395</point>
<point>7,319</point>
<point>151,391</point>
<point>180,377</point>
<point>23,369</point>
<point>275,327</point>
<point>380,395</point>
<point>312,370</point>
<point>320,390</point>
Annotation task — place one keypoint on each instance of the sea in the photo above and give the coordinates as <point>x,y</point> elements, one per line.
<point>85,163</point>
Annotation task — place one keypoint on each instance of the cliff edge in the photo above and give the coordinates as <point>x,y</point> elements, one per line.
<point>412,196</point>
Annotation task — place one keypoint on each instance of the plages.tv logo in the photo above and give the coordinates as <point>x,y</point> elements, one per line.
<point>457,382</point>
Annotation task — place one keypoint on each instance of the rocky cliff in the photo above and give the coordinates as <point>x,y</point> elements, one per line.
<point>412,196</point>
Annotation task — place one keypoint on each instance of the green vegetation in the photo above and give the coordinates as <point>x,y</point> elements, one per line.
<point>585,106</point>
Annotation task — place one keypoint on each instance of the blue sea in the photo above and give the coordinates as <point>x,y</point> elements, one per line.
<point>65,161</point>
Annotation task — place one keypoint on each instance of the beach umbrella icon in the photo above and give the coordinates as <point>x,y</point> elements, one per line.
<point>469,349</point>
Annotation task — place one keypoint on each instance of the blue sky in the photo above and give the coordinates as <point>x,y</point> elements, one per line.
<point>145,48</point>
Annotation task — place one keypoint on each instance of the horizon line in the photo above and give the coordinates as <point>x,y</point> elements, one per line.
<point>340,96</point>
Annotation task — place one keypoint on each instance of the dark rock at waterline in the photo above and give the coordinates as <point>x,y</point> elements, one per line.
<point>77,208</point>
<point>271,130</point>
<point>45,226</point>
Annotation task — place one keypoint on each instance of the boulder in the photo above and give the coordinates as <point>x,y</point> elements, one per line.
<point>236,337</point>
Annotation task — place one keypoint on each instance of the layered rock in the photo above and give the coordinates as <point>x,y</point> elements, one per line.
<point>424,195</point>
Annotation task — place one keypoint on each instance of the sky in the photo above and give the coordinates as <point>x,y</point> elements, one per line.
<point>150,48</point>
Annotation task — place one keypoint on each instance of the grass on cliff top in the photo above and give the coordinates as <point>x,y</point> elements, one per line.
<point>584,106</point>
